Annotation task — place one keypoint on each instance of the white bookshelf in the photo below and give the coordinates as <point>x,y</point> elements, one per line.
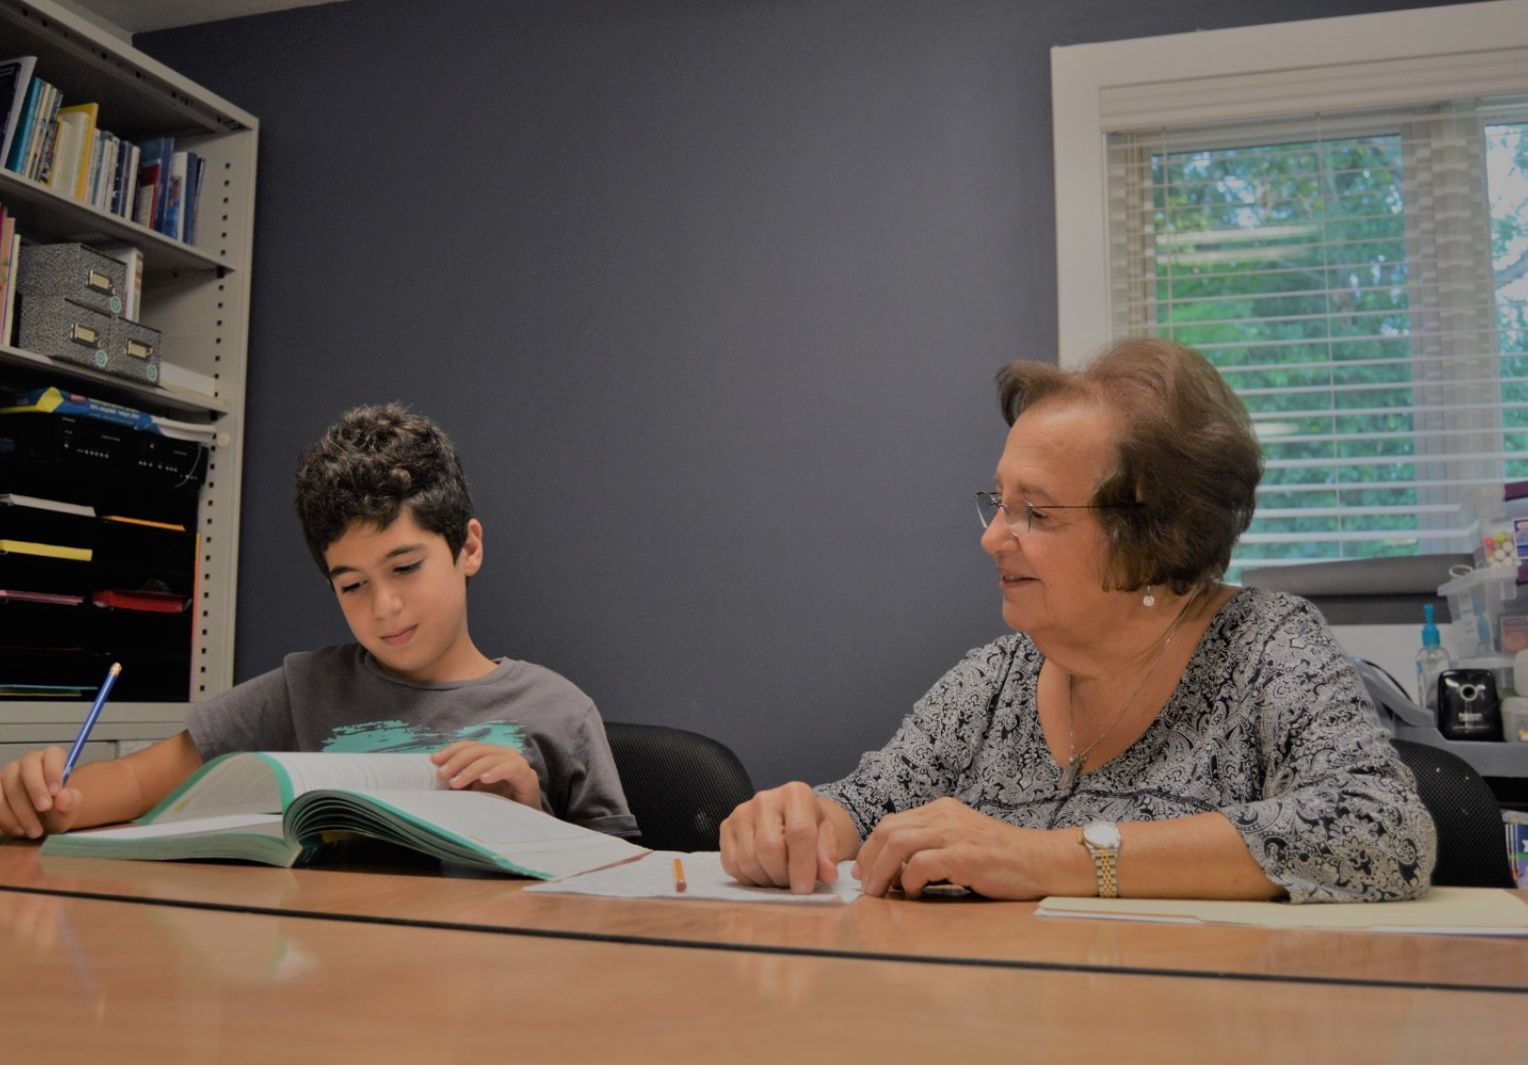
<point>198,297</point>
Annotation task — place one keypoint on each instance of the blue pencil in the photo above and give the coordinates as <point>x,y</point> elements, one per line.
<point>90,720</point>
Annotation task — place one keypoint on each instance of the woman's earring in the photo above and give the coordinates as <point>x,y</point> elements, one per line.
<point>1148,599</point>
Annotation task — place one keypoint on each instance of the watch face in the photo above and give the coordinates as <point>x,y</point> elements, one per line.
<point>1102,834</point>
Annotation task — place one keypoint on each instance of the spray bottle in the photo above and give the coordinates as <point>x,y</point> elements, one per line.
<point>1432,659</point>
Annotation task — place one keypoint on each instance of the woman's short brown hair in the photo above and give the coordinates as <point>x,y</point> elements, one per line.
<point>1187,461</point>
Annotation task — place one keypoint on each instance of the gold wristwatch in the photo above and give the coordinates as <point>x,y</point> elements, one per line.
<point>1102,840</point>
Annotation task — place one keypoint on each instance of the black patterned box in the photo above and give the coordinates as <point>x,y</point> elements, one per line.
<point>73,272</point>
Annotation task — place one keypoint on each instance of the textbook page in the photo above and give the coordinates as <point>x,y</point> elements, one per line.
<point>521,838</point>
<point>266,823</point>
<point>265,782</point>
<point>310,771</point>
<point>652,877</point>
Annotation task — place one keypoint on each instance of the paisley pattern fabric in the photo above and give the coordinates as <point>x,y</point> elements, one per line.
<point>1269,726</point>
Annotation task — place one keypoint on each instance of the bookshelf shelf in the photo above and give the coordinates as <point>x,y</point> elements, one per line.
<point>196,296</point>
<point>45,215</point>
<point>105,386</point>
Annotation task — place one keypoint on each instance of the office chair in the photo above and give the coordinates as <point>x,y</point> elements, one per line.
<point>680,785</point>
<point>1472,848</point>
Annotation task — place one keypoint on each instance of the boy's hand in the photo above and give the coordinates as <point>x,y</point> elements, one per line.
<point>489,767</point>
<point>33,802</point>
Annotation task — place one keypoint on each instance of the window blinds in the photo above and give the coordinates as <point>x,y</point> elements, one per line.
<point>1339,269</point>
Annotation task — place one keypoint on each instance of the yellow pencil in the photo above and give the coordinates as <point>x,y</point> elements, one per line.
<point>679,884</point>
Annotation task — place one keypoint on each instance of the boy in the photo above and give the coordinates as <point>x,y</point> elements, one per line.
<point>386,513</point>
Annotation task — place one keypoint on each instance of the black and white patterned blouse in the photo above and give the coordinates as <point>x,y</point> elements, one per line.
<point>1269,726</point>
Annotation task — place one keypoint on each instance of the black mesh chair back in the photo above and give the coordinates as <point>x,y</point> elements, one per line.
<point>1472,846</point>
<point>680,785</point>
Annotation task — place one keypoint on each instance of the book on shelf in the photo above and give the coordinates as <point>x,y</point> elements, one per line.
<point>130,256</point>
<point>117,189</point>
<point>103,163</point>
<point>19,152</point>
<point>129,179</point>
<point>175,199</point>
<point>42,130</point>
<point>54,400</point>
<point>15,80</point>
<point>70,173</point>
<point>10,253</point>
<point>285,809</point>
<point>153,181</point>
<point>195,165</point>
<point>8,322</point>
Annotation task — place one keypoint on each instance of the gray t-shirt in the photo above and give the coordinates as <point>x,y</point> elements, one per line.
<point>1269,726</point>
<point>339,699</point>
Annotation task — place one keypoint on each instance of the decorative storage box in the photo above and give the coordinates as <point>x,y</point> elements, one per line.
<point>136,345</point>
<point>73,272</point>
<point>63,329</point>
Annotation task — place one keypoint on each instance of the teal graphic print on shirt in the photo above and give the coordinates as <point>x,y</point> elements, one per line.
<point>397,737</point>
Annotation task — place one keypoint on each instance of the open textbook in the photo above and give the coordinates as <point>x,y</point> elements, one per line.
<point>281,809</point>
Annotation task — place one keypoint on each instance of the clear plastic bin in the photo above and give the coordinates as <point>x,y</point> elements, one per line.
<point>1477,603</point>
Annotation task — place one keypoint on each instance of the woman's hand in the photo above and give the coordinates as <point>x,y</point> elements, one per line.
<point>489,767</point>
<point>947,841</point>
<point>786,837</point>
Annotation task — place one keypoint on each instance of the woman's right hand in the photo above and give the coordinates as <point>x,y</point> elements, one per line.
<point>33,799</point>
<point>787,837</point>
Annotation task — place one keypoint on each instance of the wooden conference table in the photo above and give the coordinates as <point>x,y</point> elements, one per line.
<point>163,962</point>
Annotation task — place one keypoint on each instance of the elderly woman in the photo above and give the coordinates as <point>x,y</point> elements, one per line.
<point>1147,730</point>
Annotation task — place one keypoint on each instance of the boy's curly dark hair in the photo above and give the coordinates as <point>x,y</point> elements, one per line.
<point>371,464</point>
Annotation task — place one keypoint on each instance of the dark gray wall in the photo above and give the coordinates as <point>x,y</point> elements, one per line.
<point>709,293</point>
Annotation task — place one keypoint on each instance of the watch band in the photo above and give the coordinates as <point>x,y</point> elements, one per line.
<point>1105,869</point>
<point>1104,872</point>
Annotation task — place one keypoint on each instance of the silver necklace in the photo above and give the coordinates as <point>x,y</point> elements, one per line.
<point>1076,759</point>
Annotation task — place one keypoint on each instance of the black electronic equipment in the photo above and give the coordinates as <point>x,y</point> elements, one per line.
<point>1468,705</point>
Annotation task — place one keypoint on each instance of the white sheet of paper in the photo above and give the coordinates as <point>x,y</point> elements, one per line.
<point>652,877</point>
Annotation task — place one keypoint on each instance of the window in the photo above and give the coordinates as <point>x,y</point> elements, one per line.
<point>1358,273</point>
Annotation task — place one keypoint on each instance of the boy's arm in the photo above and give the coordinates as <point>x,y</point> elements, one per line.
<point>33,803</point>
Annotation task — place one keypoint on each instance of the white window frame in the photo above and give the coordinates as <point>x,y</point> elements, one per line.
<point>1243,74</point>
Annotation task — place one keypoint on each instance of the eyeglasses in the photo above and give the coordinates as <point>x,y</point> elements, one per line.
<point>990,504</point>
